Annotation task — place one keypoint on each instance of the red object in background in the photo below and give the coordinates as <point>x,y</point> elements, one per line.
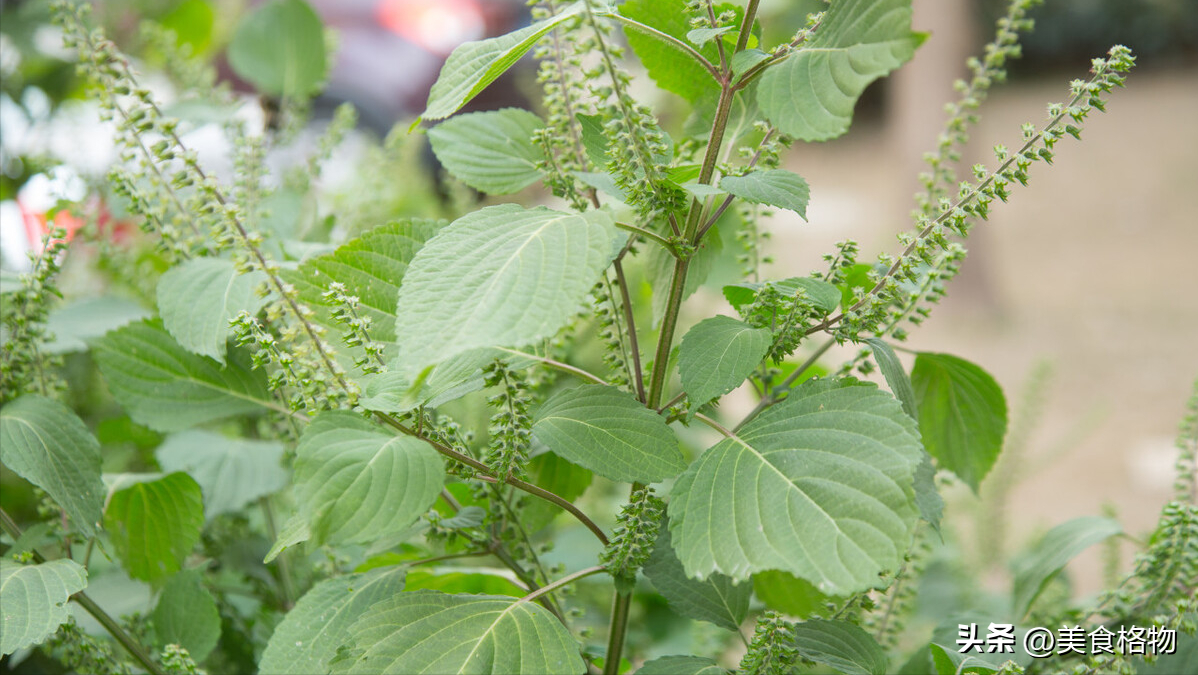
<point>437,26</point>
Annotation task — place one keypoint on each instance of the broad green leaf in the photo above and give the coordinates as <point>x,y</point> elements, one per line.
<point>810,95</point>
<point>841,645</point>
<point>671,67</point>
<point>33,600</point>
<point>562,478</point>
<point>791,595</point>
<point>474,65</point>
<point>1059,546</point>
<point>950,661</point>
<point>430,632</point>
<point>962,414</point>
<point>716,356</point>
<point>232,472</point>
<point>819,485</point>
<point>1183,660</point>
<point>47,444</point>
<point>772,187</point>
<point>356,482</point>
<point>309,636</point>
<point>896,376</point>
<point>154,524</point>
<point>681,665</point>
<point>294,531</point>
<point>593,140</point>
<point>822,294</point>
<point>75,323</point>
<point>198,298</point>
<point>715,599</point>
<point>490,151</point>
<point>370,267</point>
<point>744,60</point>
<point>464,582</point>
<point>186,615</point>
<point>166,387</point>
<point>280,49</point>
<point>504,276</point>
<point>609,432</point>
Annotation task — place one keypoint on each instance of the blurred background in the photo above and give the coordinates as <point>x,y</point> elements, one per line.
<point>1080,297</point>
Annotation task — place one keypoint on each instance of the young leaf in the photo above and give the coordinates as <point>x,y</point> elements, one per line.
<point>504,276</point>
<point>671,67</point>
<point>280,49</point>
<point>1059,546</point>
<point>715,599</point>
<point>681,665</point>
<point>841,645</point>
<point>186,615</point>
<point>609,432</point>
<point>772,187</point>
<point>474,65</point>
<point>819,485</point>
<point>309,636</point>
<point>167,388</point>
<point>370,267</point>
<point>962,414</point>
<point>822,294</point>
<point>431,632</point>
<point>34,600</point>
<point>154,524</point>
<point>47,444</point>
<point>717,355</point>
<point>294,531</point>
<point>810,95</point>
<point>490,151</point>
<point>232,472</point>
<point>896,377</point>
<point>357,483</point>
<point>198,298</point>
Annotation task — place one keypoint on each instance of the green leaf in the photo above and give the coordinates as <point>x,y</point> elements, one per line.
<point>47,444</point>
<point>33,600</point>
<point>701,36</point>
<point>819,485</point>
<point>744,60</point>
<point>811,94</point>
<point>370,267</point>
<point>609,432</point>
<point>715,599</point>
<point>430,632</point>
<point>166,387</point>
<point>309,636</point>
<point>716,356</point>
<point>232,472</point>
<point>896,376</point>
<point>822,294</point>
<point>186,615</point>
<point>396,392</point>
<point>280,49</point>
<point>791,595</point>
<point>155,524</point>
<point>474,65</point>
<point>1059,546</point>
<point>841,645</point>
<point>490,151</point>
<point>962,414</point>
<point>681,665</point>
<point>357,483</point>
<point>198,298</point>
<point>949,661</point>
<point>565,479</point>
<point>75,323</point>
<point>504,276</point>
<point>772,187</point>
<point>464,582</point>
<point>593,139</point>
<point>294,531</point>
<point>927,497</point>
<point>702,262</point>
<point>671,67</point>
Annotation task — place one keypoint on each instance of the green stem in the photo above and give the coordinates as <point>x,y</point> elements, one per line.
<point>670,39</point>
<point>665,243</point>
<point>615,638</point>
<point>561,582</point>
<point>114,629</point>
